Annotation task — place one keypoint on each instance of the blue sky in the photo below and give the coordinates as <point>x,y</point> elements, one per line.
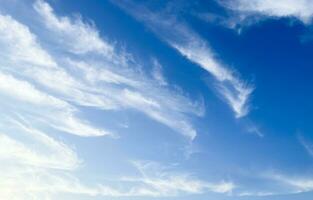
<point>206,99</point>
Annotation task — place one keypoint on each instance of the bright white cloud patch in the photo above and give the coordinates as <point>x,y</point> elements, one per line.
<point>22,90</point>
<point>15,38</point>
<point>301,9</point>
<point>45,152</point>
<point>31,160</point>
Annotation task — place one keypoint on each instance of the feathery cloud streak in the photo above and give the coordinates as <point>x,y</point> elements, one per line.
<point>107,83</point>
<point>47,87</point>
<point>301,9</point>
<point>234,91</point>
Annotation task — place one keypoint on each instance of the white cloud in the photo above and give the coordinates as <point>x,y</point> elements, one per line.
<point>47,87</point>
<point>135,99</point>
<point>306,145</point>
<point>108,85</point>
<point>258,194</point>
<point>63,117</point>
<point>28,183</point>
<point>164,182</point>
<point>24,91</point>
<point>35,176</point>
<point>301,9</point>
<point>294,184</point>
<point>31,160</point>
<point>234,91</point>
<point>273,183</point>
<point>98,73</point>
<point>78,36</point>
<point>15,38</point>
<point>45,152</point>
<point>97,83</point>
<point>254,129</point>
<point>157,73</point>
<point>139,93</point>
<point>36,166</point>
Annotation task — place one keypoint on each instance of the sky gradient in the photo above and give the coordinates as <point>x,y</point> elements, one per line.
<point>165,100</point>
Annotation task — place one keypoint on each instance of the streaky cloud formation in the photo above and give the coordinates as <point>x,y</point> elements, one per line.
<point>30,171</point>
<point>293,183</point>
<point>77,36</point>
<point>300,9</point>
<point>63,119</point>
<point>89,90</point>
<point>157,73</point>
<point>61,156</point>
<point>232,89</point>
<point>277,183</point>
<point>42,93</point>
<point>14,34</point>
<point>116,98</point>
<point>91,106</point>
<point>306,145</point>
<point>162,182</point>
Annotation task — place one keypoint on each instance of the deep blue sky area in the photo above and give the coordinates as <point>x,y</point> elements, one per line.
<point>171,99</point>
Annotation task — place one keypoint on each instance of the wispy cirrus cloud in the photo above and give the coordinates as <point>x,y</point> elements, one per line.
<point>292,183</point>
<point>21,97</point>
<point>77,36</point>
<point>300,9</point>
<point>45,151</point>
<point>162,181</point>
<point>275,182</point>
<point>133,88</point>
<point>45,88</point>
<point>108,83</point>
<point>157,72</point>
<point>306,145</point>
<point>45,170</point>
<point>231,88</point>
<point>34,165</point>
